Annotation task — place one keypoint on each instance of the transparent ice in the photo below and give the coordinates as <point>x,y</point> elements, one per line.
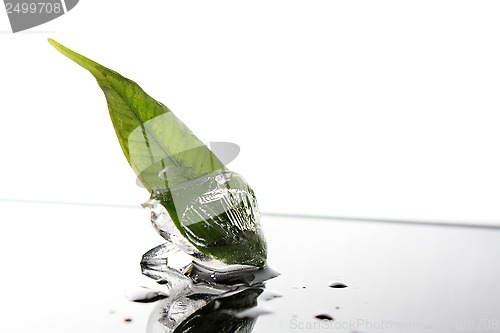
<point>213,262</point>
<point>217,220</point>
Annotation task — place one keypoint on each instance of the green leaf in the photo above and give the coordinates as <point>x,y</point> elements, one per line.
<point>151,136</point>
<point>178,169</point>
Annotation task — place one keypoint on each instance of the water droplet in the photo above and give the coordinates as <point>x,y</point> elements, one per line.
<point>324,317</point>
<point>145,295</point>
<point>162,281</point>
<point>337,285</point>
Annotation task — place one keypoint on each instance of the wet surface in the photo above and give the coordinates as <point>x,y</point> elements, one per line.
<point>70,269</point>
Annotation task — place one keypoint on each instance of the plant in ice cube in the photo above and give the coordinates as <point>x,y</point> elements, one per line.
<point>200,207</point>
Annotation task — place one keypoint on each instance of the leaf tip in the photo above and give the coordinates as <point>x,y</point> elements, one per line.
<point>90,65</point>
<point>58,46</point>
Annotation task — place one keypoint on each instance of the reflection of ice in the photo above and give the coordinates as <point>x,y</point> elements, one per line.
<point>233,311</point>
<point>200,298</point>
<point>165,264</point>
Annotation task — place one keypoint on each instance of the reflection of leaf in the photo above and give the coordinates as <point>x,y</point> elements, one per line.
<point>151,136</point>
<point>216,317</point>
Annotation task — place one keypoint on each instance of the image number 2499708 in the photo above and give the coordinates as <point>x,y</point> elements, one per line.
<point>25,14</point>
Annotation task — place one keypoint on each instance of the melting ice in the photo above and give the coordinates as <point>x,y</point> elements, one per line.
<point>212,267</point>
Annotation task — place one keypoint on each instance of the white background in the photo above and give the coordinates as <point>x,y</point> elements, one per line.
<point>378,109</point>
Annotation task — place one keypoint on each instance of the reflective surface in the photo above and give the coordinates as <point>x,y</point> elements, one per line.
<point>68,267</point>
